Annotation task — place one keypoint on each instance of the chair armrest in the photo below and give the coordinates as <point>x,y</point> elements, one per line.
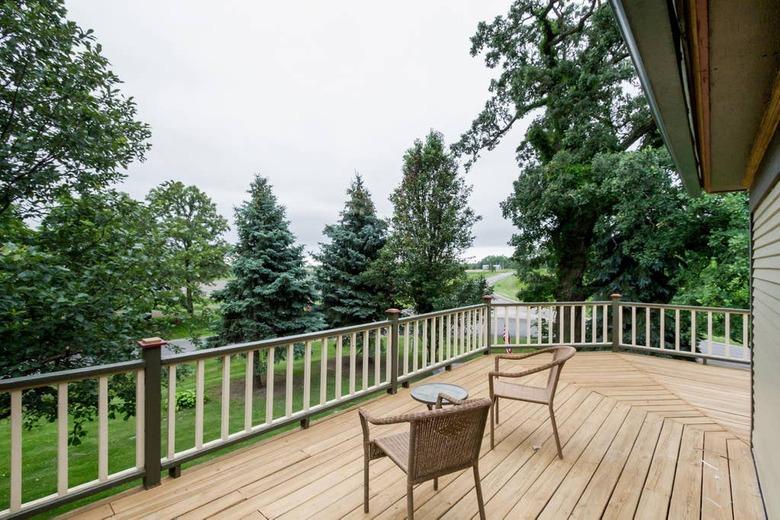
<point>444,397</point>
<point>524,373</point>
<point>521,356</point>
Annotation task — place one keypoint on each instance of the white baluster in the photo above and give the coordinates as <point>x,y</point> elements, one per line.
<point>139,419</point>
<point>171,411</point>
<point>200,379</point>
<point>248,385</point>
<point>225,409</point>
<point>307,376</point>
<point>16,450</point>
<point>269,387</point>
<point>103,428</point>
<point>339,350</point>
<point>324,345</point>
<point>366,350</point>
<point>62,438</point>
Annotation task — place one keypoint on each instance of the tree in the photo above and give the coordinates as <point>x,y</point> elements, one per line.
<point>348,294</point>
<point>645,242</point>
<point>75,293</point>
<point>431,225</point>
<point>64,125</point>
<point>189,230</point>
<point>271,293</point>
<point>565,65</point>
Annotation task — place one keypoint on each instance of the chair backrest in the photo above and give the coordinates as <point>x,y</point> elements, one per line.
<point>446,440</point>
<point>560,356</point>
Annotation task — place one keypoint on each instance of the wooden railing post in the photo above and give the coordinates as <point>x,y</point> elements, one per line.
<point>150,348</point>
<point>488,299</point>
<point>617,335</point>
<point>393,315</point>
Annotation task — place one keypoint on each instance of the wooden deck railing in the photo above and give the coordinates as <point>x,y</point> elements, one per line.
<point>377,356</point>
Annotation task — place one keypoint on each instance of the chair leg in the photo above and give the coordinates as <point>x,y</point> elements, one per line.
<point>496,410</point>
<point>478,487</point>
<point>492,428</point>
<point>555,431</point>
<point>365,485</point>
<point>435,483</point>
<point>409,501</point>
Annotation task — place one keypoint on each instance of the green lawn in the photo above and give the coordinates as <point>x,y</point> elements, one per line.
<point>508,287</point>
<point>478,273</point>
<point>39,444</point>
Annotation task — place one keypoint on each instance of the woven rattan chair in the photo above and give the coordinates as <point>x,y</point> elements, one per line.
<point>438,442</point>
<point>534,394</point>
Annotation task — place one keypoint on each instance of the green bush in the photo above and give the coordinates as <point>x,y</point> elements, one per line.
<point>185,399</point>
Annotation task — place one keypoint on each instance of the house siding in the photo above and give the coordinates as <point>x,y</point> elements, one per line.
<point>765,304</point>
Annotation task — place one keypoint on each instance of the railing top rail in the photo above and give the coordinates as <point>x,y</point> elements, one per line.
<point>63,376</point>
<point>239,348</point>
<point>435,314</point>
<point>548,304</point>
<point>685,307</point>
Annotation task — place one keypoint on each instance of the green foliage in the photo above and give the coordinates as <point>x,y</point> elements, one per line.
<point>348,294</point>
<point>271,294</point>
<point>185,399</point>
<point>431,225</point>
<point>593,213</point>
<point>75,293</point>
<point>64,125</point>
<point>464,291</point>
<point>719,276</point>
<point>189,230</point>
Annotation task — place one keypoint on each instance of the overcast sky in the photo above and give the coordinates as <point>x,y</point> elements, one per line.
<point>305,93</point>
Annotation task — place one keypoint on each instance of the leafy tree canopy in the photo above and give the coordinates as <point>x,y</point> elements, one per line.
<point>596,208</point>
<point>64,125</point>
<point>431,225</point>
<point>189,230</point>
<point>75,292</point>
<point>348,294</point>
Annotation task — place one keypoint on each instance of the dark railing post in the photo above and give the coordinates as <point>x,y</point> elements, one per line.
<point>150,348</point>
<point>392,315</point>
<point>617,335</point>
<point>488,299</point>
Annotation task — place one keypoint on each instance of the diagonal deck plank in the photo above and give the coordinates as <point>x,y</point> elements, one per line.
<point>642,436</point>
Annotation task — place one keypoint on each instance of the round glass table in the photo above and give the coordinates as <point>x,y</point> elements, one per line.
<point>427,394</point>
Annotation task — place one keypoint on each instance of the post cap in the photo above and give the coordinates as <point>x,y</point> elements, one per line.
<point>151,343</point>
<point>392,312</point>
<point>615,296</point>
<point>487,298</point>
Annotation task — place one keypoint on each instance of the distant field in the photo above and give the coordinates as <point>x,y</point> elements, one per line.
<point>479,273</point>
<point>508,287</point>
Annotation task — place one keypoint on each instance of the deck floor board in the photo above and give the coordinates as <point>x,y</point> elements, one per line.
<point>642,437</point>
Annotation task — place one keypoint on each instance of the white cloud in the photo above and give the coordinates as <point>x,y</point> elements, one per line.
<point>306,92</point>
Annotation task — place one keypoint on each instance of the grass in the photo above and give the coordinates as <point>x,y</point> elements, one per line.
<point>479,273</point>
<point>508,287</point>
<point>39,444</point>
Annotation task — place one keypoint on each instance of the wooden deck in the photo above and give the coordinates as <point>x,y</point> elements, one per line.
<point>643,437</point>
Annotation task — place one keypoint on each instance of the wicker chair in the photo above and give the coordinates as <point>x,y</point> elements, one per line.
<point>534,394</point>
<point>438,442</point>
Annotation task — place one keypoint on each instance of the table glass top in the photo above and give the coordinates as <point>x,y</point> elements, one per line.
<point>428,393</point>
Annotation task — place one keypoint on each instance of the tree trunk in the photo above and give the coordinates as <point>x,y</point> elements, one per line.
<point>188,304</point>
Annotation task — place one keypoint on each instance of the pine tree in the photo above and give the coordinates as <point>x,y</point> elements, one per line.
<point>271,294</point>
<point>348,296</point>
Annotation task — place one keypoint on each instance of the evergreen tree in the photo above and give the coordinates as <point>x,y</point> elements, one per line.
<point>271,294</point>
<point>348,295</point>
<point>432,225</point>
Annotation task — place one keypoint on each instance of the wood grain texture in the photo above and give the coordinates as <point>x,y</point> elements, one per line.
<point>642,437</point>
